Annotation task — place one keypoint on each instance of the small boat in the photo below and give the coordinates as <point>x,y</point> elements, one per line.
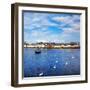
<point>38,51</point>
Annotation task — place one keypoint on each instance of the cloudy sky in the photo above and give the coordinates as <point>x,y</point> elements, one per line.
<point>51,27</point>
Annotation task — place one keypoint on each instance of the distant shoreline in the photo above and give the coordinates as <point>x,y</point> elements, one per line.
<point>53,45</point>
<point>56,47</point>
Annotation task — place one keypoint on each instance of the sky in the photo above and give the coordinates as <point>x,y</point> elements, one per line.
<point>51,27</point>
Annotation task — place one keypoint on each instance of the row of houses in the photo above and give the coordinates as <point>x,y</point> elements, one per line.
<point>53,45</point>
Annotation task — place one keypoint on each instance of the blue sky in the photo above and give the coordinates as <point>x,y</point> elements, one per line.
<point>51,27</point>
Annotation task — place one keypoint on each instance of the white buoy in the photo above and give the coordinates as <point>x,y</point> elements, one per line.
<point>73,57</point>
<point>41,74</point>
<point>54,67</point>
<point>56,61</point>
<point>66,63</point>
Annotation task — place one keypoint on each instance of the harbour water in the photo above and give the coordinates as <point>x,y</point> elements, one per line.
<point>51,62</point>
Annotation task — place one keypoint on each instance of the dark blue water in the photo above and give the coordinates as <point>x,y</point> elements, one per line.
<point>51,62</point>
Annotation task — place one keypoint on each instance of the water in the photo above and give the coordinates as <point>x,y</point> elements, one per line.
<point>51,62</point>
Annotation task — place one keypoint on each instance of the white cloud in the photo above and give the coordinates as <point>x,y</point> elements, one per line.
<point>46,36</point>
<point>37,21</point>
<point>68,23</point>
<point>66,19</point>
<point>62,18</point>
<point>76,26</point>
<point>38,25</point>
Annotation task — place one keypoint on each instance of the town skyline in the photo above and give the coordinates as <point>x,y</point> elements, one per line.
<point>51,42</point>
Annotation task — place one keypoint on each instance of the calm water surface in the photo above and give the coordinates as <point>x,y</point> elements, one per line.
<point>51,62</point>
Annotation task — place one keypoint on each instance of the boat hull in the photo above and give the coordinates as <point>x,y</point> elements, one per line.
<point>37,52</point>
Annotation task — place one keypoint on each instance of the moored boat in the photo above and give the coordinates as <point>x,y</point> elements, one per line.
<point>38,51</point>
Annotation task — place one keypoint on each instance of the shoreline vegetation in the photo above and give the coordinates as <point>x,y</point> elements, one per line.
<point>71,45</point>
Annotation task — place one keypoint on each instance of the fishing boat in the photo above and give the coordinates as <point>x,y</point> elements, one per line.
<point>38,51</point>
